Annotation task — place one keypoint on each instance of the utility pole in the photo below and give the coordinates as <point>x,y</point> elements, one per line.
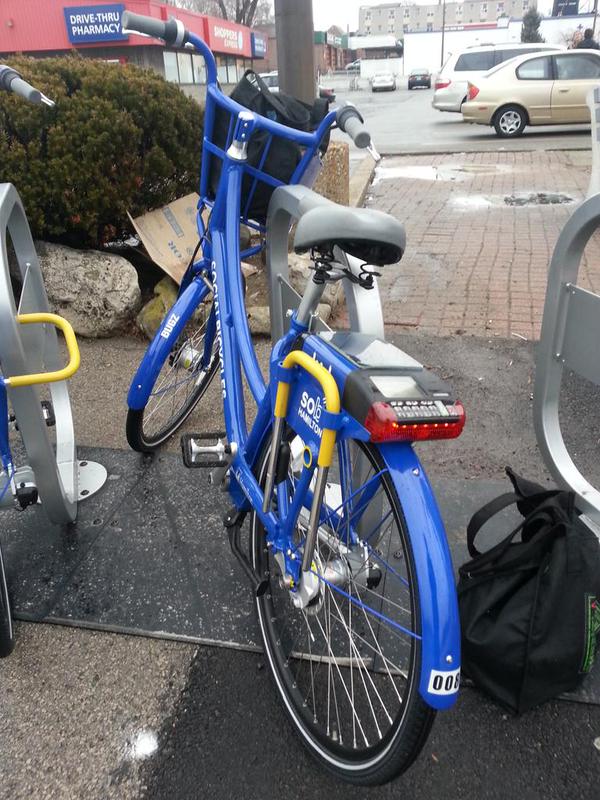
<point>595,13</point>
<point>444,30</point>
<point>295,48</point>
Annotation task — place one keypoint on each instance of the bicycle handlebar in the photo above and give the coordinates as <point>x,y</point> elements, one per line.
<point>174,33</point>
<point>171,32</point>
<point>12,81</point>
<point>351,122</point>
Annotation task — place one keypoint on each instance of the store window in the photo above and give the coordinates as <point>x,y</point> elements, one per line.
<point>199,69</point>
<point>221,69</point>
<point>170,62</point>
<point>232,70</point>
<point>186,72</point>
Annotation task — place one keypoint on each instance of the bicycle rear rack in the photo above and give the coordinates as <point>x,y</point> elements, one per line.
<point>569,340</point>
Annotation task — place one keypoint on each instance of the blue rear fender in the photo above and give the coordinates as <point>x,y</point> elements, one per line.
<point>440,627</point>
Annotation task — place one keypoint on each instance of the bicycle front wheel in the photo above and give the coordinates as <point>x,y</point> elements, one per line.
<point>347,665</point>
<point>186,374</point>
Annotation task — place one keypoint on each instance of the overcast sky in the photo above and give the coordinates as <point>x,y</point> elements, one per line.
<point>345,12</point>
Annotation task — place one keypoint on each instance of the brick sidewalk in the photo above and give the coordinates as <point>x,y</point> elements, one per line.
<point>474,264</point>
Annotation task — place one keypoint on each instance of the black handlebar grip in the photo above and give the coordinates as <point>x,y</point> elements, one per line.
<point>171,32</point>
<point>351,122</point>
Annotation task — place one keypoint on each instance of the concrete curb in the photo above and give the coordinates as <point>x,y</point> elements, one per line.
<point>465,149</point>
<point>360,180</point>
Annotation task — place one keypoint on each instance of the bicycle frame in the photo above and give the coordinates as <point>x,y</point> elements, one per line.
<point>220,267</point>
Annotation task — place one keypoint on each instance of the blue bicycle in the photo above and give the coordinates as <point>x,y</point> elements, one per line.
<point>347,553</point>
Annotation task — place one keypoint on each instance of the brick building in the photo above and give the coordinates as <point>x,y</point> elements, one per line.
<point>400,18</point>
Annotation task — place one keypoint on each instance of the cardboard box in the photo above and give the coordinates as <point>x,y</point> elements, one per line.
<point>170,234</point>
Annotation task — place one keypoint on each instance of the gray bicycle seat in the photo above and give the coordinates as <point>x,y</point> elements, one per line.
<point>372,236</point>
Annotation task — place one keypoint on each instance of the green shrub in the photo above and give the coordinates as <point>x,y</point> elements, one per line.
<point>119,139</point>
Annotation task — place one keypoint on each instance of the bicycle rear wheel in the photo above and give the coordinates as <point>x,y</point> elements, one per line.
<point>347,666</point>
<point>185,376</point>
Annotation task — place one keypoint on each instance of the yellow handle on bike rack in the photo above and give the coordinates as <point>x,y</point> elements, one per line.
<point>330,390</point>
<point>70,341</point>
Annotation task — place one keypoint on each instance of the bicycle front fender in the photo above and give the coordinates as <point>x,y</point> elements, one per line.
<point>157,353</point>
<point>440,627</point>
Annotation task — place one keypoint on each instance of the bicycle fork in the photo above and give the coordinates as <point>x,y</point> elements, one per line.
<point>331,419</point>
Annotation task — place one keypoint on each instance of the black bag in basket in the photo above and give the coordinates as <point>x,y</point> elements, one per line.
<point>530,609</point>
<point>283,155</point>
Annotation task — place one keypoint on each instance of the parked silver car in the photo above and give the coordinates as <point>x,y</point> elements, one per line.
<point>383,82</point>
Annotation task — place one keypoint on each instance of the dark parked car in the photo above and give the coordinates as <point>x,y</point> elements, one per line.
<point>419,77</point>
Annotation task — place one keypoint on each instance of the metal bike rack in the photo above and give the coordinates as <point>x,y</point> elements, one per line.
<point>61,480</point>
<point>570,339</point>
<point>289,203</point>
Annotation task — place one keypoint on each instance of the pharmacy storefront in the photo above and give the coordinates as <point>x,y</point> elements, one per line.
<point>49,27</point>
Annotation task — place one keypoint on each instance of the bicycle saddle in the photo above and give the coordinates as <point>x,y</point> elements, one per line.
<point>371,236</point>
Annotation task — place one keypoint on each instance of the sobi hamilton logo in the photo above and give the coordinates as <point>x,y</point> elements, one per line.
<point>310,412</point>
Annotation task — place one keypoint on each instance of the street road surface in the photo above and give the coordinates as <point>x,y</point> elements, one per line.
<point>405,122</point>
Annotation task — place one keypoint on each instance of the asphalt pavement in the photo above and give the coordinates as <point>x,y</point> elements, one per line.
<point>402,122</point>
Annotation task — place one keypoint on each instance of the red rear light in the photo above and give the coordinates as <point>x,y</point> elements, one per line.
<point>473,91</point>
<point>442,83</point>
<point>384,425</point>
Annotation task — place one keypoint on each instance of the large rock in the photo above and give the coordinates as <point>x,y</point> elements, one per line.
<point>98,293</point>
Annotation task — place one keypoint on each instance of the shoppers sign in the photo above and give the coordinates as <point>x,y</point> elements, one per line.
<point>259,45</point>
<point>223,36</point>
<point>87,24</point>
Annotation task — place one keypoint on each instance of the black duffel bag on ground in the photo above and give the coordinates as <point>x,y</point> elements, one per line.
<point>283,155</point>
<point>530,606</point>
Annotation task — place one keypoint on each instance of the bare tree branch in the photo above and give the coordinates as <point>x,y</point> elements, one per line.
<point>242,11</point>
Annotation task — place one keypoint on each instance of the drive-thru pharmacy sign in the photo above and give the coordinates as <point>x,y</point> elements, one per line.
<point>87,24</point>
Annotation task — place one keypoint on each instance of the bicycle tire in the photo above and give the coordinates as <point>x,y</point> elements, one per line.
<point>7,635</point>
<point>394,751</point>
<point>145,438</point>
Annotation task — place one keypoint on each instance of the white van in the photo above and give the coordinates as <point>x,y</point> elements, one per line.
<point>451,83</point>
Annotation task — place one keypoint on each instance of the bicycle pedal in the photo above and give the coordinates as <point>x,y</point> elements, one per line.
<point>197,456</point>
<point>48,412</point>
